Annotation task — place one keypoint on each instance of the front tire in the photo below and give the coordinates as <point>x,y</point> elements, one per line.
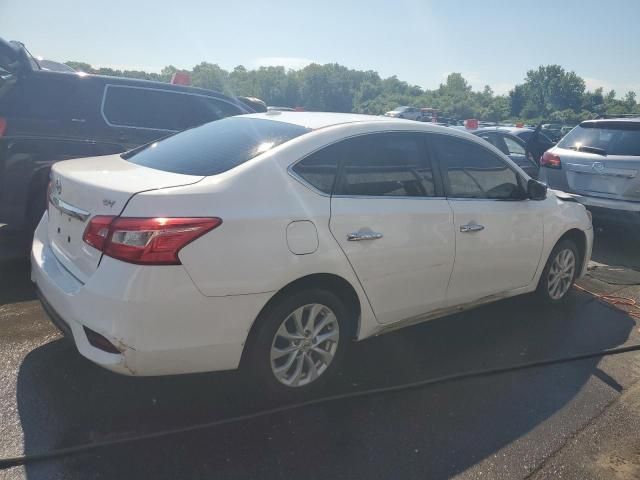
<point>559,273</point>
<point>299,342</point>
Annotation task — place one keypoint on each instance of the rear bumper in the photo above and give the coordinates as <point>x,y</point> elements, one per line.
<point>612,211</point>
<point>155,316</point>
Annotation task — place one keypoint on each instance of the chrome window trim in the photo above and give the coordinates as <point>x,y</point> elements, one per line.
<point>295,175</point>
<point>69,209</point>
<point>111,85</point>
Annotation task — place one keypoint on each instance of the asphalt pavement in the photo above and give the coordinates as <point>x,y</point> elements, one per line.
<point>546,422</point>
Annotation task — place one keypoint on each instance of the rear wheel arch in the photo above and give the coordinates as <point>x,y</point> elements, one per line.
<point>322,281</point>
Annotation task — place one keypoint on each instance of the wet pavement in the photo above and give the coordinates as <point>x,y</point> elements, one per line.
<point>510,425</point>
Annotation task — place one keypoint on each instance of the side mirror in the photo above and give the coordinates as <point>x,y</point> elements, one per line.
<point>536,190</point>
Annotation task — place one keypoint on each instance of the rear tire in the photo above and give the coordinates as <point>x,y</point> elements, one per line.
<point>559,273</point>
<point>299,343</point>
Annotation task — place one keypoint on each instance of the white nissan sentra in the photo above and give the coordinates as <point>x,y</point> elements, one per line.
<point>272,241</point>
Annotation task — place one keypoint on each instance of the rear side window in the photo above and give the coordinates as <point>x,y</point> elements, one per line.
<point>215,147</point>
<point>614,138</point>
<point>386,164</point>
<point>161,110</point>
<point>472,171</point>
<point>319,169</point>
<point>42,97</point>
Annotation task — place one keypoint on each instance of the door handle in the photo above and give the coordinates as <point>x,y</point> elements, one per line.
<point>359,236</point>
<point>471,227</point>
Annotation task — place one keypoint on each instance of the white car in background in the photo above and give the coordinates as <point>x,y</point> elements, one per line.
<point>408,113</point>
<point>271,241</point>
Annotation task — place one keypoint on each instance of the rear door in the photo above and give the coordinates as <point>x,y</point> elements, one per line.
<point>390,219</point>
<point>498,233</point>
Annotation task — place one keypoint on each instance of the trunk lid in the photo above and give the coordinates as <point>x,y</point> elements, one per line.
<point>612,176</point>
<point>83,188</point>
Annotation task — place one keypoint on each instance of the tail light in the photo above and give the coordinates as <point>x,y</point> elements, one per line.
<point>550,160</point>
<point>146,241</point>
<point>3,126</point>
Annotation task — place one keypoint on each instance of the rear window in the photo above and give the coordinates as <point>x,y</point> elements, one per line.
<point>613,138</point>
<point>215,147</point>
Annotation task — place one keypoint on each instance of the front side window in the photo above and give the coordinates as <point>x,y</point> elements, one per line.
<point>388,165</point>
<point>472,171</point>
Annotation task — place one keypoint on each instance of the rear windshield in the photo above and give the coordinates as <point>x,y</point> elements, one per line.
<point>613,138</point>
<point>214,147</point>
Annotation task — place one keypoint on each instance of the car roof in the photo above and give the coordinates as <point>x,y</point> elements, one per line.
<point>612,120</point>
<point>316,120</point>
<point>513,130</point>
<point>135,82</point>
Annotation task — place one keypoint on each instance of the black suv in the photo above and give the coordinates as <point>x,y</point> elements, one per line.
<point>48,116</point>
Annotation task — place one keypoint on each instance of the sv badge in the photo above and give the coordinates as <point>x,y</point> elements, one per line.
<point>108,203</point>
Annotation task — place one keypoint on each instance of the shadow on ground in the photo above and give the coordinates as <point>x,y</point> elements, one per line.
<point>617,245</point>
<point>15,281</point>
<point>434,432</point>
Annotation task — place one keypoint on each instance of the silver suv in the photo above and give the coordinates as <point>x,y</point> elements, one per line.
<point>598,163</point>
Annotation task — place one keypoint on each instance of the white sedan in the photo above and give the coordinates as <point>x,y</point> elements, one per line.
<point>272,241</point>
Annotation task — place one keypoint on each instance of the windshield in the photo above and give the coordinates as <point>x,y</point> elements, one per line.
<point>214,147</point>
<point>612,138</point>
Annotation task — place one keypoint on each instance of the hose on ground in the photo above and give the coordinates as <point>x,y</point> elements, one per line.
<point>85,448</point>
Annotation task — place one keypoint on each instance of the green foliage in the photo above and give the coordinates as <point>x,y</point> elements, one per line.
<point>547,93</point>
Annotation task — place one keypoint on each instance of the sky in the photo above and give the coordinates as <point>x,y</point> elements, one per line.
<point>491,42</point>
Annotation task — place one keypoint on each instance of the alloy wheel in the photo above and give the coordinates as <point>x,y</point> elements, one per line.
<point>304,345</point>
<point>561,274</point>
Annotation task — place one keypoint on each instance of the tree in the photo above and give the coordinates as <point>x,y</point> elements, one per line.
<point>548,92</point>
<point>455,84</point>
<point>630,101</point>
<point>211,76</point>
<point>517,100</point>
<point>80,66</point>
<point>551,88</point>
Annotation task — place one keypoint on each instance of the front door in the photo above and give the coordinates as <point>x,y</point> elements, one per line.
<point>389,218</point>
<point>498,231</point>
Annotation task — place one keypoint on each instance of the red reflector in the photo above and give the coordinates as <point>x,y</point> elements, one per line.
<point>550,160</point>
<point>3,125</point>
<point>97,231</point>
<point>148,241</point>
<point>100,342</point>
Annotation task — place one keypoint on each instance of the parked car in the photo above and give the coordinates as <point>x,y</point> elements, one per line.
<point>408,113</point>
<point>598,163</point>
<point>280,109</point>
<point>47,116</point>
<point>255,104</point>
<point>269,242</point>
<point>537,142</point>
<point>512,146</point>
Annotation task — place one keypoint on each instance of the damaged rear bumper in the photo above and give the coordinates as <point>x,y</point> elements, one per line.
<point>156,320</point>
